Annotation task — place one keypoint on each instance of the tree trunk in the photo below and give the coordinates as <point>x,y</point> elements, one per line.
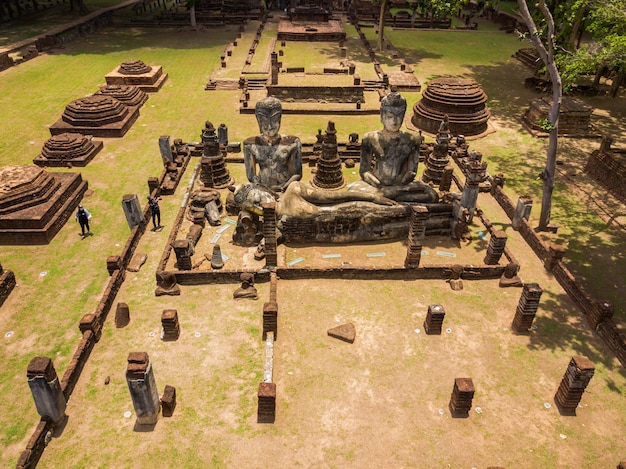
<point>192,15</point>
<point>547,55</point>
<point>381,26</point>
<point>599,74</point>
<point>617,81</point>
<point>576,28</point>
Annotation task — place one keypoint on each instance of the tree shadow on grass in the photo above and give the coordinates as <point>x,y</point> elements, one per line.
<point>562,327</point>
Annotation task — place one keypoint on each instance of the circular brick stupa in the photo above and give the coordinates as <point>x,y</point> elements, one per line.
<point>68,149</point>
<point>98,115</point>
<point>35,204</point>
<point>126,94</point>
<point>463,101</point>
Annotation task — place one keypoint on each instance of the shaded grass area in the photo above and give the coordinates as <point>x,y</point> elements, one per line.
<point>18,29</point>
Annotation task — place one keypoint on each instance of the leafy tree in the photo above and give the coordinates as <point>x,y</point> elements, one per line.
<point>546,49</point>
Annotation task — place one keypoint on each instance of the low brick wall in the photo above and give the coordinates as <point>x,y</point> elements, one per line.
<point>606,329</point>
<point>37,443</point>
<point>609,172</point>
<point>34,449</point>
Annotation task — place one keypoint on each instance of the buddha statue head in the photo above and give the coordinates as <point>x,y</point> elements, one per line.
<point>392,110</point>
<point>268,113</point>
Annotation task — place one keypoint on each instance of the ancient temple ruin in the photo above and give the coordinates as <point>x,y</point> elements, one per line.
<point>129,95</point>
<point>310,21</point>
<point>462,100</point>
<point>67,150</point>
<point>135,72</point>
<point>35,204</point>
<point>574,117</point>
<point>98,115</point>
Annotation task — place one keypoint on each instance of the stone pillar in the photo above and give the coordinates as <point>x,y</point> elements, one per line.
<point>143,389</point>
<point>222,135</point>
<point>46,389</point>
<point>469,197</point>
<point>555,254</point>
<point>132,210</point>
<point>269,233</point>
<point>601,311</point>
<point>527,307</point>
<point>274,69</point>
<point>165,148</point>
<point>169,322</point>
<point>446,179</point>
<point>577,376</point>
<point>417,231</point>
<point>522,211</point>
<point>122,315</point>
<point>270,319</point>
<point>434,319</point>
<point>183,249</point>
<point>497,242</point>
<point>461,398</point>
<point>168,401</point>
<point>267,403</point>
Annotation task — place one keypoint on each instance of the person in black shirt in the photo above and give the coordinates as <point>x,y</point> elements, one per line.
<point>82,217</point>
<point>153,202</point>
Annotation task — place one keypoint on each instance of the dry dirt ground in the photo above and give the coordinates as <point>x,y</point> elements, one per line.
<point>382,401</point>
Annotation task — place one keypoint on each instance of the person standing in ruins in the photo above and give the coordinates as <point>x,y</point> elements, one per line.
<point>82,217</point>
<point>153,202</point>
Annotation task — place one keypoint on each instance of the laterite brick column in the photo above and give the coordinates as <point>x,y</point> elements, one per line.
<point>415,242</point>
<point>527,307</point>
<point>269,233</point>
<point>497,242</point>
<point>183,249</point>
<point>577,376</point>
<point>461,398</point>
<point>267,403</point>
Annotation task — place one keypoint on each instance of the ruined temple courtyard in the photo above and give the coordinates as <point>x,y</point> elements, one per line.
<point>381,401</point>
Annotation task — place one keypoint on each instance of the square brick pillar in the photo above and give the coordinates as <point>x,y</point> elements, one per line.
<point>269,233</point>
<point>461,398</point>
<point>169,322</point>
<point>415,242</point>
<point>267,403</point>
<point>183,249</point>
<point>497,242</point>
<point>270,319</point>
<point>434,319</point>
<point>527,307</point>
<point>577,376</point>
<point>168,401</point>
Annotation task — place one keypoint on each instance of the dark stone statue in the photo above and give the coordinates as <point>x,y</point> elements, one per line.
<point>271,159</point>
